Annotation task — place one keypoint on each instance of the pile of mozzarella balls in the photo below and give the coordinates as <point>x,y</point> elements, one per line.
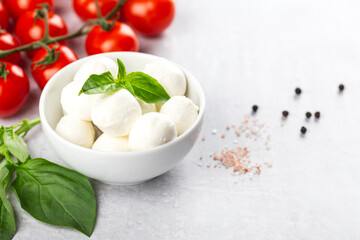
<point>119,122</point>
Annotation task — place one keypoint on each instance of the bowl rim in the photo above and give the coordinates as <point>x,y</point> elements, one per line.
<point>46,125</point>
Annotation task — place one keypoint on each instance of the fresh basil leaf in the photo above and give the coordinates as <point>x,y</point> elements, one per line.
<point>16,144</point>
<point>100,84</point>
<point>3,151</point>
<point>2,129</point>
<point>7,218</point>
<point>3,148</point>
<point>56,195</point>
<point>122,71</point>
<point>128,86</point>
<point>7,222</point>
<point>147,88</point>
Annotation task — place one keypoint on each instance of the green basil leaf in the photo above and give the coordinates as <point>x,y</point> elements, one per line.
<point>7,218</point>
<point>7,222</point>
<point>121,72</point>
<point>3,151</point>
<point>3,148</point>
<point>16,145</point>
<point>128,86</point>
<point>56,195</point>
<point>102,83</point>
<point>147,88</point>
<point>2,129</point>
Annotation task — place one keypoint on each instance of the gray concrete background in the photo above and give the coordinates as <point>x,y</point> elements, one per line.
<point>245,53</point>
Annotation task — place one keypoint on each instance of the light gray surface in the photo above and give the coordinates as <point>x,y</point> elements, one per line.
<point>246,52</point>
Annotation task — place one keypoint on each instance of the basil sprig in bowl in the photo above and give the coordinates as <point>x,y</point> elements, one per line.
<point>119,168</point>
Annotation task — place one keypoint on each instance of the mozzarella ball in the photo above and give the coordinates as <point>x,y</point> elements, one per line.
<point>168,75</point>
<point>182,111</point>
<point>146,107</point>
<point>76,131</point>
<point>115,113</point>
<point>75,105</point>
<point>151,130</point>
<point>95,66</point>
<point>108,143</point>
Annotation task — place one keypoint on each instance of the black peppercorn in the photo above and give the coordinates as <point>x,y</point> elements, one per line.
<point>255,108</point>
<point>285,113</point>
<point>303,130</point>
<point>308,114</point>
<point>317,115</point>
<point>297,91</point>
<point>341,87</point>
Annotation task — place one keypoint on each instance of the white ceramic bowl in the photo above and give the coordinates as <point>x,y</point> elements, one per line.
<point>119,168</point>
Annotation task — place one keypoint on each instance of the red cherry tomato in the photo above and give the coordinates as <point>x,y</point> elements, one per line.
<point>120,38</point>
<point>29,30</point>
<point>4,16</point>
<point>149,17</point>
<point>14,88</point>
<point>17,8</point>
<point>8,41</point>
<point>43,72</point>
<point>86,9</point>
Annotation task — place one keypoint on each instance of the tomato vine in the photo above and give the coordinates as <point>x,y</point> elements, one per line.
<point>83,30</point>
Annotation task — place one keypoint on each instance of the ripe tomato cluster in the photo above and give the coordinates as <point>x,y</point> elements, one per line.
<point>34,22</point>
<point>148,17</point>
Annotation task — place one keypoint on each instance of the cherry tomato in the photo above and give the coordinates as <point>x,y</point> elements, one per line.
<point>14,88</point>
<point>8,41</point>
<point>17,8</point>
<point>4,16</point>
<point>86,9</point>
<point>44,71</point>
<point>149,17</point>
<point>120,38</point>
<point>29,30</point>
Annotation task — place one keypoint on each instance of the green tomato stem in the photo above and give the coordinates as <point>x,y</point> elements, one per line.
<point>3,71</point>
<point>98,12</point>
<point>46,20</point>
<point>116,9</point>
